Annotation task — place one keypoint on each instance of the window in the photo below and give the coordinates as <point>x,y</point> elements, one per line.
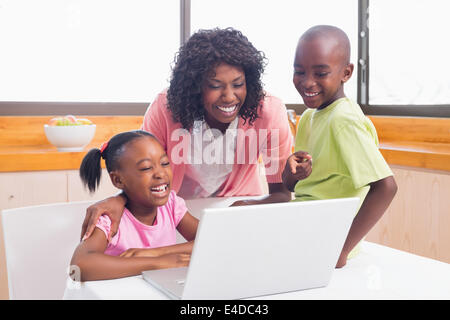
<point>274,27</point>
<point>409,56</point>
<point>114,56</point>
<point>86,50</point>
<point>403,58</point>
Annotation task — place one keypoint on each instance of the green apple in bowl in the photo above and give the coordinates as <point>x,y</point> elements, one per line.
<point>69,134</point>
<point>69,120</point>
<point>82,121</point>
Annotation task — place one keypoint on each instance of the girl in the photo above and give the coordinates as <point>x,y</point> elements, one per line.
<point>138,165</point>
<point>216,88</point>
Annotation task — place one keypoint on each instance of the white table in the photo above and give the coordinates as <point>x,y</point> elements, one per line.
<point>377,272</point>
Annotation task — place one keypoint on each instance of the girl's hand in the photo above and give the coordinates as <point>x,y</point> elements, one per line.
<point>174,260</point>
<point>139,252</point>
<point>183,248</point>
<point>113,207</point>
<point>171,260</point>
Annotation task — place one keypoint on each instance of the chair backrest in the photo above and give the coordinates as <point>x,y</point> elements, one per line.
<point>39,243</point>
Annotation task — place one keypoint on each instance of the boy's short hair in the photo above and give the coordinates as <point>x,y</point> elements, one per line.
<point>330,32</point>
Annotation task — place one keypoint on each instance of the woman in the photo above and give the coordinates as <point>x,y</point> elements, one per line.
<point>214,122</point>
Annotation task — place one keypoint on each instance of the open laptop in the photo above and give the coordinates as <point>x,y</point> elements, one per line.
<point>249,251</point>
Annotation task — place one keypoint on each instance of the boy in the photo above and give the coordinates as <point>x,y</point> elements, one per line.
<point>336,135</point>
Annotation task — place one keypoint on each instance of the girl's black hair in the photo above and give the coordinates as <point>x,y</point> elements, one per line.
<point>90,169</point>
<point>198,57</point>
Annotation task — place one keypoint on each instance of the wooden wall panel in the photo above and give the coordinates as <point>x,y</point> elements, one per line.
<point>412,129</point>
<point>20,189</point>
<point>418,220</point>
<point>77,192</point>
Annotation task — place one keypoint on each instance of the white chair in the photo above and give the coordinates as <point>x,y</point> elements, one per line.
<point>39,243</point>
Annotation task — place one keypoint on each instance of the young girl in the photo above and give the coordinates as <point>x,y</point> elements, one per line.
<point>139,166</point>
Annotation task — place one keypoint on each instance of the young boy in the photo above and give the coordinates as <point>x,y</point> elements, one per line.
<point>337,139</point>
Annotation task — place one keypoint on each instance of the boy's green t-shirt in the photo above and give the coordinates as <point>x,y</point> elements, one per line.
<point>343,144</point>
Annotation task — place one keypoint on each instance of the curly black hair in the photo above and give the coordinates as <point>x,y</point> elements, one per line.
<point>203,51</point>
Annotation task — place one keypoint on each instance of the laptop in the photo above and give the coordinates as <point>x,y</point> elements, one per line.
<point>249,251</point>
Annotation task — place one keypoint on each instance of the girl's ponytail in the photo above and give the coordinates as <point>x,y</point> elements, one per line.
<point>90,169</point>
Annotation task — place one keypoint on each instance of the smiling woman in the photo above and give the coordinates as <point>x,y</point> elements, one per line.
<point>216,85</point>
<point>213,63</point>
<point>224,94</point>
<point>216,91</point>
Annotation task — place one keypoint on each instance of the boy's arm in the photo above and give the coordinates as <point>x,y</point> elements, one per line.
<point>372,209</point>
<point>95,265</point>
<point>278,147</point>
<point>277,193</point>
<point>298,167</point>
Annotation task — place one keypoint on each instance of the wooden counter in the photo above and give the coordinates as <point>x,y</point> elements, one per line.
<point>413,142</point>
<point>24,146</point>
<point>416,142</point>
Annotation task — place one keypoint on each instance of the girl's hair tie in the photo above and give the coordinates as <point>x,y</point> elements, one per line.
<point>103,147</point>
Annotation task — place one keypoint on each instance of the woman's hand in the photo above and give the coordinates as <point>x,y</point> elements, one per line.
<point>112,207</point>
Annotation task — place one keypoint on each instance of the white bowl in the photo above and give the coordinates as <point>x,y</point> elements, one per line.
<point>70,138</point>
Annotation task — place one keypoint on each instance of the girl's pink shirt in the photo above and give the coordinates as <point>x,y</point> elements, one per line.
<point>134,234</point>
<point>269,136</point>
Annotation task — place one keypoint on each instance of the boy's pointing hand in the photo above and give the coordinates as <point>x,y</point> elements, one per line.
<point>300,164</point>
<point>298,167</point>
